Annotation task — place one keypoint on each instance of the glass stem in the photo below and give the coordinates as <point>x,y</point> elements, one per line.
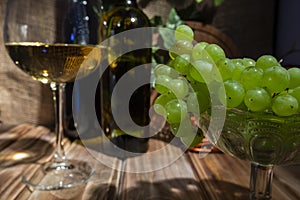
<point>261,182</point>
<point>58,90</point>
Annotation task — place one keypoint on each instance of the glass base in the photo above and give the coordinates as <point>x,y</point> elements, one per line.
<point>59,175</point>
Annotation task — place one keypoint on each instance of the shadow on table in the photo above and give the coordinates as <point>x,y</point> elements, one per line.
<point>21,151</point>
<point>225,190</point>
<point>184,189</point>
<point>87,191</point>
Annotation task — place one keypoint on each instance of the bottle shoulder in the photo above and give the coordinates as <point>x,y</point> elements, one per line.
<point>120,19</point>
<point>130,15</point>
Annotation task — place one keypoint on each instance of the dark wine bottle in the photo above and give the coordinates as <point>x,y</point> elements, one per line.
<point>126,15</point>
<point>81,28</point>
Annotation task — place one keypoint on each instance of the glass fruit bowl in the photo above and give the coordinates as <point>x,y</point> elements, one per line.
<point>200,80</point>
<point>262,138</point>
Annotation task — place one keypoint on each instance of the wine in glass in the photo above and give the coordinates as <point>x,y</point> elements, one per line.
<point>49,40</point>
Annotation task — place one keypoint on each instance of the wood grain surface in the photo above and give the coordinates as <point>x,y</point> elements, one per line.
<point>191,176</point>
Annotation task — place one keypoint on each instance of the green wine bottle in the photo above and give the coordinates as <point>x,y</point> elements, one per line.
<point>126,15</point>
<point>81,27</point>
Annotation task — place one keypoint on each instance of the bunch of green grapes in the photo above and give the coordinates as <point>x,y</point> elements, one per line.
<point>261,85</point>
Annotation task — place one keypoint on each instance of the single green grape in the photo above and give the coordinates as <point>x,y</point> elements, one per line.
<point>276,79</point>
<point>238,68</point>
<point>294,73</point>
<point>162,84</point>
<point>234,93</point>
<point>176,110</point>
<point>160,110</point>
<point>251,77</point>
<point>285,105</point>
<point>182,64</point>
<point>193,105</point>
<point>198,102</point>
<point>237,61</point>
<point>215,52</point>
<point>184,32</point>
<point>198,52</point>
<point>180,47</point>
<point>226,68</point>
<point>179,88</point>
<point>163,99</point>
<point>266,61</point>
<point>295,92</point>
<point>201,71</point>
<point>249,62</point>
<point>162,69</point>
<point>160,103</point>
<point>257,99</point>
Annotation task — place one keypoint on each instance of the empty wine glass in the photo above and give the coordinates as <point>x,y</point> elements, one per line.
<point>50,40</point>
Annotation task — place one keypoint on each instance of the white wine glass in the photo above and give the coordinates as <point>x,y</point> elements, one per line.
<point>49,40</point>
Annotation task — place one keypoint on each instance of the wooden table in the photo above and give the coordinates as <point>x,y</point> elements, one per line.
<point>215,176</point>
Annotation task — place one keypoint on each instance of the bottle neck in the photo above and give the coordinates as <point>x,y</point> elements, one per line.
<point>131,3</point>
<point>109,4</point>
